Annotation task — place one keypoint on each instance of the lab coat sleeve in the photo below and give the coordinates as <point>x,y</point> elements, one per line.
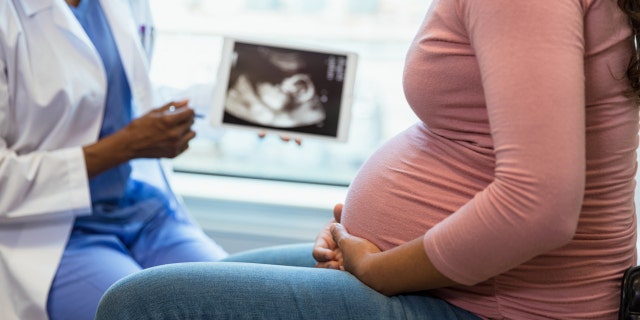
<point>40,184</point>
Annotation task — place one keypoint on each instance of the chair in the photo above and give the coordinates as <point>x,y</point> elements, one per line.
<point>630,298</point>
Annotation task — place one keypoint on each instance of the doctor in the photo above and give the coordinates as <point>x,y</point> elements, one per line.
<point>82,200</point>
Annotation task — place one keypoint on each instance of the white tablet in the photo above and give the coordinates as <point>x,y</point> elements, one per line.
<point>291,90</point>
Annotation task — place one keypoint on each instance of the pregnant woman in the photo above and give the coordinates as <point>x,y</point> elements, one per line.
<point>512,198</point>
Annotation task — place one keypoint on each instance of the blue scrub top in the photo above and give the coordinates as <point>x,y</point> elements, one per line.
<point>110,186</point>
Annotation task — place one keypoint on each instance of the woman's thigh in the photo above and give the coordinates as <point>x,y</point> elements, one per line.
<point>228,290</point>
<point>296,255</point>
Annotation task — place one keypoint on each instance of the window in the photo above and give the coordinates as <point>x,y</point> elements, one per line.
<point>187,50</point>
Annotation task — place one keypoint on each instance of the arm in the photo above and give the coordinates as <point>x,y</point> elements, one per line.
<point>405,268</point>
<point>390,272</point>
<point>531,59</point>
<point>49,183</point>
<point>39,182</point>
<point>44,168</point>
<point>161,133</point>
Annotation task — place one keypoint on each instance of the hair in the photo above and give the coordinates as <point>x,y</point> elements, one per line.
<point>632,9</point>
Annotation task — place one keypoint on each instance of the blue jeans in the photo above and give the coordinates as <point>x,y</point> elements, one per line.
<point>288,288</point>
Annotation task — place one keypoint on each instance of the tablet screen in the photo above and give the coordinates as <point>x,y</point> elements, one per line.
<point>292,90</point>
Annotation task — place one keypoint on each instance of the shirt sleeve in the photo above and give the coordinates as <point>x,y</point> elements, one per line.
<point>40,184</point>
<point>531,59</point>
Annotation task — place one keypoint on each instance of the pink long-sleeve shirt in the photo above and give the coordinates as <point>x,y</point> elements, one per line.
<point>520,175</point>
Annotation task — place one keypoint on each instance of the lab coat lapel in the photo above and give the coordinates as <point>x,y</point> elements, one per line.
<point>121,21</point>
<point>31,7</point>
<point>62,18</point>
<point>125,33</point>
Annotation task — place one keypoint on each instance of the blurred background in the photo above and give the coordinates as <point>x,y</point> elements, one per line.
<point>248,192</point>
<point>187,52</point>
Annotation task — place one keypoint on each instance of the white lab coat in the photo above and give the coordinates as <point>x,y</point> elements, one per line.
<point>52,91</point>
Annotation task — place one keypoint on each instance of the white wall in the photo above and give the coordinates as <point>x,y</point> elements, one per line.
<point>243,214</point>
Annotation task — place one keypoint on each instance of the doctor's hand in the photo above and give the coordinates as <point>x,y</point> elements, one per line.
<point>164,132</point>
<point>325,251</point>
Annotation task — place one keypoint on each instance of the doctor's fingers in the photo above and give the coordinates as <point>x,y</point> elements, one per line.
<point>184,142</point>
<point>169,145</point>
<point>177,135</point>
<point>181,146</point>
<point>179,104</point>
<point>179,116</point>
<point>172,106</point>
<point>150,132</point>
<point>160,122</point>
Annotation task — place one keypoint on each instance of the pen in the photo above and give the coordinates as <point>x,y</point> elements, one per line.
<point>197,115</point>
<point>143,36</point>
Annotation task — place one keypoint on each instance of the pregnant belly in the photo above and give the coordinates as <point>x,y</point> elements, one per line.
<point>410,184</point>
